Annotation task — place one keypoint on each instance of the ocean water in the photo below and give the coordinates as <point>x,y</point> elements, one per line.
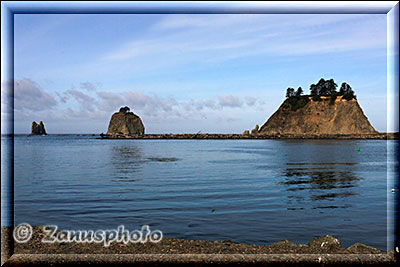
<point>247,191</point>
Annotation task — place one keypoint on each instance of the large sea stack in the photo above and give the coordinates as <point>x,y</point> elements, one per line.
<point>38,129</point>
<point>324,115</point>
<point>125,123</point>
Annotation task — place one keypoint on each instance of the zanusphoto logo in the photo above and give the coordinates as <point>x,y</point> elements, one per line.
<point>23,233</point>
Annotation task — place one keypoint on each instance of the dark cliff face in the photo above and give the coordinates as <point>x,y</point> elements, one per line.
<point>319,117</point>
<point>125,123</point>
<point>38,129</point>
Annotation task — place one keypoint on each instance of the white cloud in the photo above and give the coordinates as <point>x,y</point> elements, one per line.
<point>109,101</point>
<point>250,101</point>
<point>198,20</point>
<point>29,96</point>
<point>85,101</point>
<point>230,101</point>
<point>88,86</point>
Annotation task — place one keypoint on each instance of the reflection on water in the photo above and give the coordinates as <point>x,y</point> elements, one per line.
<point>207,189</point>
<point>122,179</point>
<point>126,153</point>
<point>162,159</point>
<point>129,159</point>
<point>328,183</point>
<point>126,160</point>
<point>327,163</point>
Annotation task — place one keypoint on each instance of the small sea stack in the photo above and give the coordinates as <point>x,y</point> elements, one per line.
<point>125,123</point>
<point>38,129</point>
<point>255,130</point>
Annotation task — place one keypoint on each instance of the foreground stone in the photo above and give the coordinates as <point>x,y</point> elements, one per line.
<point>359,248</point>
<point>325,244</point>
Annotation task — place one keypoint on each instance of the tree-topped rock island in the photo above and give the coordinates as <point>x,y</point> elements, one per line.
<point>125,123</point>
<point>324,112</point>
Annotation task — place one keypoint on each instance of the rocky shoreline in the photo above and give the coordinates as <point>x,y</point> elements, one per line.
<point>322,244</point>
<point>378,136</point>
<point>326,247</point>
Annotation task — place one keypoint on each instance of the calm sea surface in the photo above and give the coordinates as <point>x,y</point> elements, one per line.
<point>248,191</point>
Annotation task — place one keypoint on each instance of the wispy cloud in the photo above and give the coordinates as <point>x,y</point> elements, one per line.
<point>186,21</point>
<point>88,86</point>
<point>250,101</point>
<point>197,37</point>
<point>85,101</point>
<point>230,101</point>
<point>76,104</point>
<point>29,96</point>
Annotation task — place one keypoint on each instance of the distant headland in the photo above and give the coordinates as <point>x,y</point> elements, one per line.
<point>325,113</point>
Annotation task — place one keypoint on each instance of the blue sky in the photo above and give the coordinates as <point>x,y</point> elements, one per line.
<point>189,73</point>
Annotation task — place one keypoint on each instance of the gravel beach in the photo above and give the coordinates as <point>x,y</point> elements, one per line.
<point>327,248</point>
